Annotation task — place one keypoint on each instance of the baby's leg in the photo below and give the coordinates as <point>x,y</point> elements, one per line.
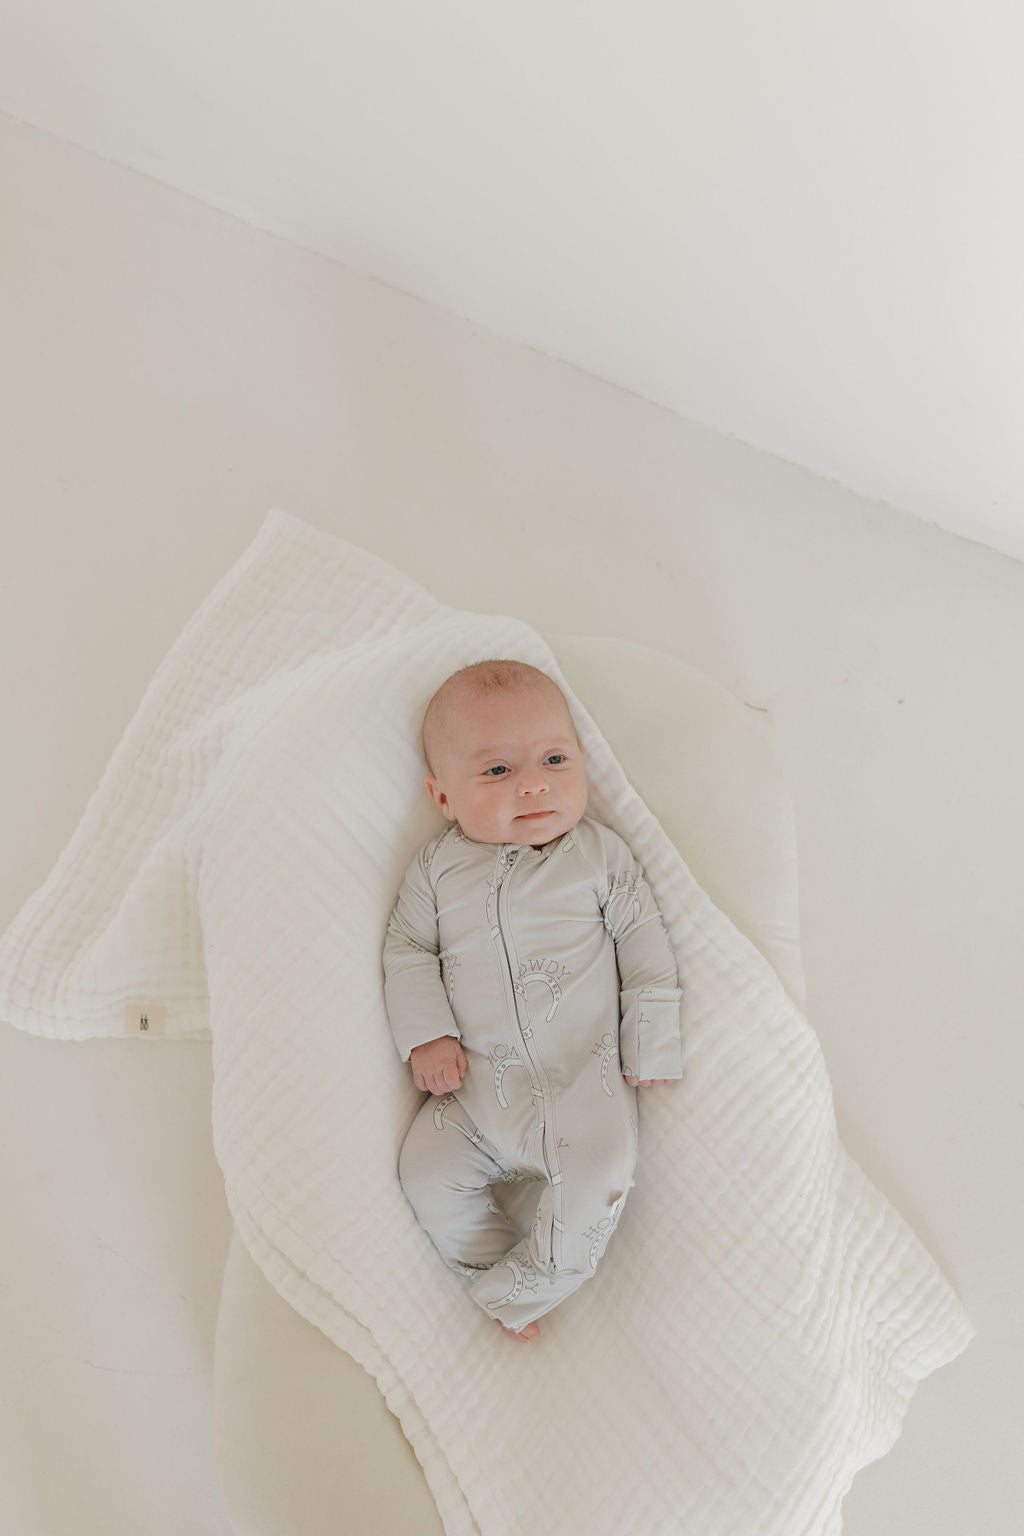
<point>446,1174</point>
<point>543,1269</point>
<point>576,1215</point>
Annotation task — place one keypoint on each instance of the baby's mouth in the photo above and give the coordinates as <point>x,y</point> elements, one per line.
<point>530,815</point>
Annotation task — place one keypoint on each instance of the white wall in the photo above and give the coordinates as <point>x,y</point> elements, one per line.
<point>800,224</point>
<point>170,374</point>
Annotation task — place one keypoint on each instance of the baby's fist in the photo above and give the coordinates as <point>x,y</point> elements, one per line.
<point>646,1082</point>
<point>438,1066</point>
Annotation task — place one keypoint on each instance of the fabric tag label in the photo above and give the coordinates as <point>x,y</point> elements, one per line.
<point>145,1018</point>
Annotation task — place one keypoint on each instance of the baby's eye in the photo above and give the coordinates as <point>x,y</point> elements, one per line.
<point>499,769</point>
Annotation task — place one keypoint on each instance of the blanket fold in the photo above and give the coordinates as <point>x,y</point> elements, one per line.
<point>763,1314</point>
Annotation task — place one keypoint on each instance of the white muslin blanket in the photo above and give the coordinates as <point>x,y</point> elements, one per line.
<point>762,1314</point>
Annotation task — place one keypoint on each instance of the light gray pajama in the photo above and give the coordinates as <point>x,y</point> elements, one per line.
<point>552,966</point>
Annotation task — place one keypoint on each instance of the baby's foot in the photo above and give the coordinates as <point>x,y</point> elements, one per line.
<point>531,1331</point>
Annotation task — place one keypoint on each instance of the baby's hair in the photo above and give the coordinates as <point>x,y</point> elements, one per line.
<point>493,675</point>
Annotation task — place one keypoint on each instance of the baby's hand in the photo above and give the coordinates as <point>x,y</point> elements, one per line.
<point>438,1066</point>
<point>645,1082</point>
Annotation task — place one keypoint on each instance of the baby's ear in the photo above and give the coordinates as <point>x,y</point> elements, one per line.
<point>436,793</point>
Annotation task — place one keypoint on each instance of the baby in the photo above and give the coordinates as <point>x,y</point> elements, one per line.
<point>524,960</point>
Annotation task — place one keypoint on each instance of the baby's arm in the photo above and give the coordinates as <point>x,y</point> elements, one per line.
<point>650,1043</point>
<point>414,993</point>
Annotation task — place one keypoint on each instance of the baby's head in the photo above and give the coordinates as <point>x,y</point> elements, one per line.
<point>501,747</point>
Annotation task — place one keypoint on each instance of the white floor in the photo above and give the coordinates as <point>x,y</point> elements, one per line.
<point>887,657</point>
<point>882,658</point>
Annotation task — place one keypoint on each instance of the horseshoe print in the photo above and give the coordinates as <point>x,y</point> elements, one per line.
<point>439,1109</point>
<point>449,960</point>
<point>501,1059</point>
<point>623,886</point>
<point>476,1136</point>
<point>601,1230</point>
<point>518,1282</point>
<point>556,991</point>
<point>606,1049</point>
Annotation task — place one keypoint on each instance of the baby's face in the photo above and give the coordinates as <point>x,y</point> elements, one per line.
<point>512,772</point>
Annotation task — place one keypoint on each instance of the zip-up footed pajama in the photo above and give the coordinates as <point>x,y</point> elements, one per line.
<point>552,967</point>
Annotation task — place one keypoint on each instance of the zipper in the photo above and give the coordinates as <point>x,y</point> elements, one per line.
<point>541,1093</point>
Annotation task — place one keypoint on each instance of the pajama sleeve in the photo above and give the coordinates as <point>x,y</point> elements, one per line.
<point>414,992</point>
<point>650,1043</point>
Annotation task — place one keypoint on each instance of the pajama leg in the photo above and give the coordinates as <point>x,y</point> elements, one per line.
<point>578,1210</point>
<point>446,1168</point>
<point>446,1174</point>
